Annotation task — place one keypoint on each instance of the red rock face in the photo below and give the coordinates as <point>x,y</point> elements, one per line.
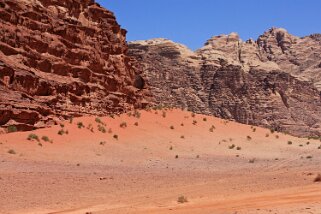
<point>60,59</point>
<point>236,80</point>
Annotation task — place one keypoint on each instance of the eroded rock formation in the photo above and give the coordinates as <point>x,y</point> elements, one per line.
<point>60,59</point>
<point>265,82</point>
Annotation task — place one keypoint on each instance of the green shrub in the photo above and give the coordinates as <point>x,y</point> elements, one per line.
<point>33,137</point>
<point>98,120</point>
<point>12,128</point>
<point>171,127</point>
<point>249,138</point>
<point>101,128</point>
<point>136,123</point>
<point>45,138</point>
<point>137,114</point>
<point>115,136</point>
<point>290,142</point>
<point>80,125</point>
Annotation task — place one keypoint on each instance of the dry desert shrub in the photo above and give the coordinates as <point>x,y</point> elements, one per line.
<point>61,132</point>
<point>137,114</point>
<point>12,152</point>
<point>101,128</point>
<point>182,199</point>
<point>33,137</point>
<point>252,160</point>
<point>80,125</point>
<point>45,138</point>
<point>123,125</point>
<point>164,114</point>
<point>318,178</point>
<point>231,146</point>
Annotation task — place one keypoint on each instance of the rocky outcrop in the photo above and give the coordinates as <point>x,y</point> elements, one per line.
<point>251,82</point>
<point>300,57</point>
<point>60,59</point>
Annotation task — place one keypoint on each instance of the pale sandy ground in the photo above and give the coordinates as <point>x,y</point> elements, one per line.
<point>139,173</point>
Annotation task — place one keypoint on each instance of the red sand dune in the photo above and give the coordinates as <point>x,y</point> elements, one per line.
<point>151,164</point>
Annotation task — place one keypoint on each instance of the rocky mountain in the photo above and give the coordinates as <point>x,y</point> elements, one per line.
<point>63,58</point>
<point>271,82</point>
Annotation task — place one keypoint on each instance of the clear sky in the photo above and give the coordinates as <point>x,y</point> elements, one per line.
<point>192,22</point>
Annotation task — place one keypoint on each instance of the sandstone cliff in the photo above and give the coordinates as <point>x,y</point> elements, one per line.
<point>60,59</point>
<point>252,82</point>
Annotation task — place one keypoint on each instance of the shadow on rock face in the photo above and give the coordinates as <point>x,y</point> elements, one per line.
<point>139,82</point>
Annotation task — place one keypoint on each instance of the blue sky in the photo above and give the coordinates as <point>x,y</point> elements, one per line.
<point>192,22</point>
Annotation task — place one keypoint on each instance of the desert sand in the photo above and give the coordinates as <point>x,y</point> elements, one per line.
<point>153,159</point>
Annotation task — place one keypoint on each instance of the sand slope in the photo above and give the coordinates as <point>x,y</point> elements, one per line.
<point>151,164</point>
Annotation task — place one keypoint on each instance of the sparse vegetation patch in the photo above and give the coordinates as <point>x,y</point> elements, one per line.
<point>80,125</point>
<point>33,137</point>
<point>182,199</point>
<point>123,125</point>
<point>12,129</point>
<point>12,152</point>
<point>318,178</point>
<point>45,138</point>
